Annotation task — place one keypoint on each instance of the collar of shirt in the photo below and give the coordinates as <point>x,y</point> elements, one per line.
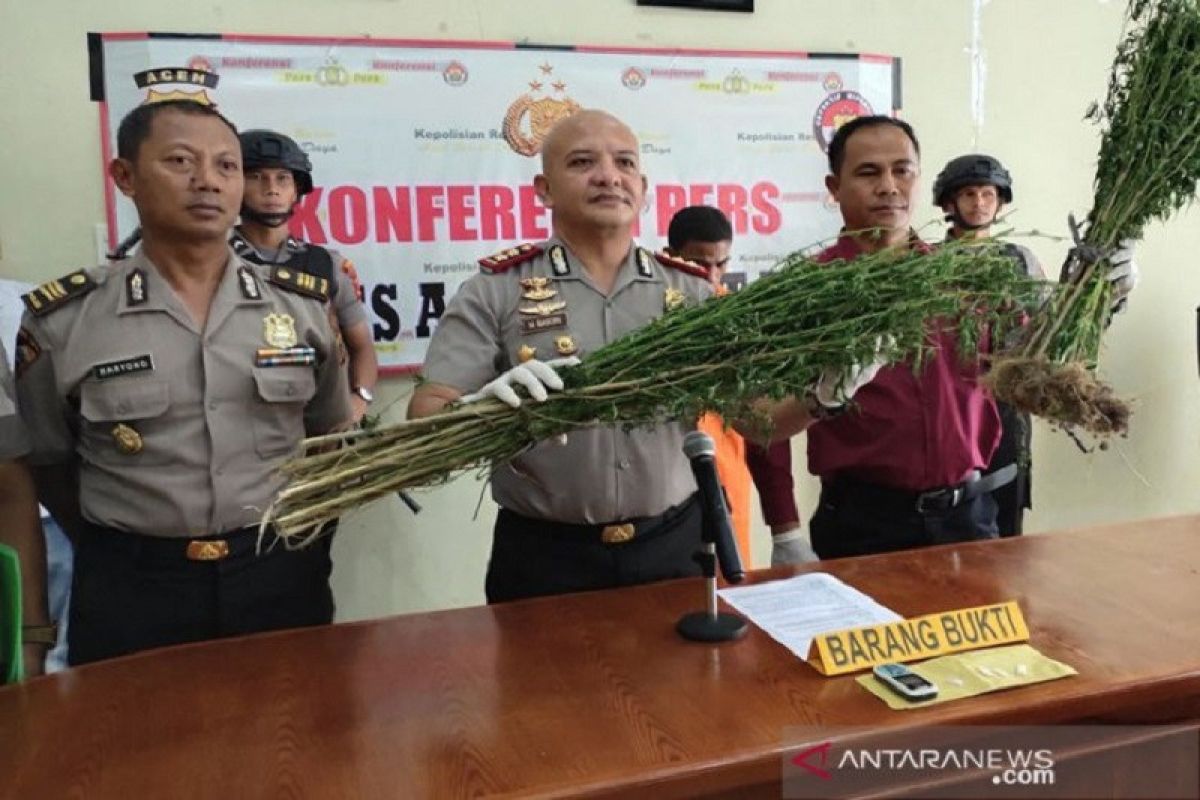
<point>848,247</point>
<point>639,266</point>
<point>158,295</point>
<point>291,245</point>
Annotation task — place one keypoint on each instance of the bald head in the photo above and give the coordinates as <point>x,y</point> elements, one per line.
<point>577,126</point>
<point>591,177</point>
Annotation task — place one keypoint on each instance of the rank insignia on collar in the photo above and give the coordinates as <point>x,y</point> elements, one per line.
<point>673,299</point>
<point>135,288</point>
<point>558,260</point>
<point>240,245</point>
<point>279,330</point>
<point>643,263</point>
<point>248,284</point>
<point>543,309</point>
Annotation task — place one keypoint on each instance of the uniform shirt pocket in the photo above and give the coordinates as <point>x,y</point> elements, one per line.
<point>278,413</point>
<point>122,422</point>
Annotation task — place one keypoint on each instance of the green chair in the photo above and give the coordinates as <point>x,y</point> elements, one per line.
<point>12,666</point>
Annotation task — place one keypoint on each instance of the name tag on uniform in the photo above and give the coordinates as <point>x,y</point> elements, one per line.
<point>547,323</point>
<point>126,366</point>
<point>300,356</point>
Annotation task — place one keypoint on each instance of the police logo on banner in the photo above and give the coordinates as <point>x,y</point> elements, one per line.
<point>836,110</point>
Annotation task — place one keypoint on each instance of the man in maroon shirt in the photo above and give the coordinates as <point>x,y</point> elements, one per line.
<point>902,468</point>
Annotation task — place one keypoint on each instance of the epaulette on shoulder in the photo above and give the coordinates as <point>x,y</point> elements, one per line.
<point>300,282</point>
<point>507,259</point>
<point>681,264</point>
<point>57,293</point>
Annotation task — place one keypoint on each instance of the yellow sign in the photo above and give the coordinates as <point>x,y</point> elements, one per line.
<point>856,649</point>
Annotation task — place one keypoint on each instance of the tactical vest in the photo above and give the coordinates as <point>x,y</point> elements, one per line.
<point>313,259</point>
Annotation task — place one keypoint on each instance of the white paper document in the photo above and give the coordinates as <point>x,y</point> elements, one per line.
<point>795,610</point>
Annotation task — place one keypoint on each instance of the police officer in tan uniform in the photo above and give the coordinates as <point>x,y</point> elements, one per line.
<point>21,528</point>
<point>169,389</point>
<point>609,507</point>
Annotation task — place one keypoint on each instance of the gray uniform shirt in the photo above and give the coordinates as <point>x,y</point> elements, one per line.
<point>13,441</point>
<point>346,305</point>
<point>603,474</point>
<point>179,431</point>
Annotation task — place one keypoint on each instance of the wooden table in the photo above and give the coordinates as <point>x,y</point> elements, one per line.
<point>593,693</point>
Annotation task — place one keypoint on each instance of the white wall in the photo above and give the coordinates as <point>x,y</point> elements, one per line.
<point>1046,61</point>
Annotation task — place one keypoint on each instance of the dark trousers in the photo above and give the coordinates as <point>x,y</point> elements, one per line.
<point>1016,440</point>
<point>855,519</point>
<point>133,592</point>
<point>533,558</point>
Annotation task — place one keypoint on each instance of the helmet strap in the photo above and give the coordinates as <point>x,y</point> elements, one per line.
<point>956,218</point>
<point>269,220</point>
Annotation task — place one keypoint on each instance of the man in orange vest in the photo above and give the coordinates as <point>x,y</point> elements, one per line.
<point>702,234</point>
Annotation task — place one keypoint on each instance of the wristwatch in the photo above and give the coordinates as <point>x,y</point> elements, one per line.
<point>366,394</point>
<point>819,411</point>
<point>40,634</point>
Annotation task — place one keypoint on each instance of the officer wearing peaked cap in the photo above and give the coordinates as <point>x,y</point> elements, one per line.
<point>161,396</point>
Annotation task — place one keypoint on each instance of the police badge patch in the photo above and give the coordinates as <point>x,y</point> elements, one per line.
<point>279,330</point>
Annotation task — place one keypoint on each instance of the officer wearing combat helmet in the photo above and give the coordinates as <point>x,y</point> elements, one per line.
<point>972,190</point>
<point>278,174</point>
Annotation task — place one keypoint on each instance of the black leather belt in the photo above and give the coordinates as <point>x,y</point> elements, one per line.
<point>932,501</point>
<point>241,542</point>
<point>612,533</point>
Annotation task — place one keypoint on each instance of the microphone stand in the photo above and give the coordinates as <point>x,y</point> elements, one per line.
<point>710,625</point>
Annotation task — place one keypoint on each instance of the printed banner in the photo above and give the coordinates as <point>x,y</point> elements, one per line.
<point>424,152</point>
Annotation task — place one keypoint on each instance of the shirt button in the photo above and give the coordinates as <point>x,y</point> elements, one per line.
<point>212,405</point>
<point>123,408</point>
<point>623,464</point>
<point>291,390</point>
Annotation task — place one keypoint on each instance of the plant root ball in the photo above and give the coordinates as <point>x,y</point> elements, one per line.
<point>1068,394</point>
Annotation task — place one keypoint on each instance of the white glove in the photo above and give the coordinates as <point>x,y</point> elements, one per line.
<point>1122,269</point>
<point>837,386</point>
<point>791,548</point>
<point>536,376</point>
<point>1122,274</point>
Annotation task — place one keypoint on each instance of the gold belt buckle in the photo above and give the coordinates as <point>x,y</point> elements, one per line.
<point>207,549</point>
<point>616,534</point>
